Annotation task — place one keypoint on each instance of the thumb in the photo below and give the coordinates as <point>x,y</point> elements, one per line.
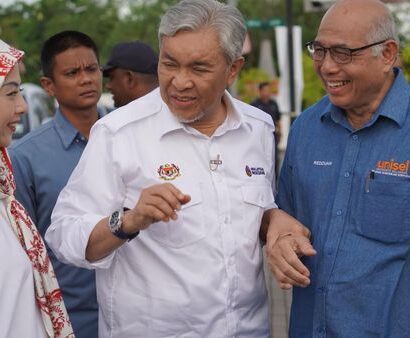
<point>305,248</point>
<point>184,198</point>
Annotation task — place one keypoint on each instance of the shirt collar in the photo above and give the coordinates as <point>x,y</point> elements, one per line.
<point>396,102</point>
<point>65,130</point>
<point>234,119</point>
<point>394,105</point>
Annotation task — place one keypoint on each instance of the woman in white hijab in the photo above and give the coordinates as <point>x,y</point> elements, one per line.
<point>31,303</point>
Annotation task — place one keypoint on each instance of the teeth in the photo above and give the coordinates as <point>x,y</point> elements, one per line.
<point>336,84</point>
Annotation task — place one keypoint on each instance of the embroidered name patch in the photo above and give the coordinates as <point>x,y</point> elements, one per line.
<point>254,171</point>
<point>323,163</point>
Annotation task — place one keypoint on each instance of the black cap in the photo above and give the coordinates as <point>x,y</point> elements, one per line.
<point>136,56</point>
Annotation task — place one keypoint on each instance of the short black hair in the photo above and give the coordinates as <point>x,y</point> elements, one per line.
<point>59,43</point>
<point>263,84</point>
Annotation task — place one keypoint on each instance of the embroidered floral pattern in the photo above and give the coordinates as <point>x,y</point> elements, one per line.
<point>48,294</point>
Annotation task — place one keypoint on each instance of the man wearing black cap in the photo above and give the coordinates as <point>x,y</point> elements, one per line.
<point>131,71</point>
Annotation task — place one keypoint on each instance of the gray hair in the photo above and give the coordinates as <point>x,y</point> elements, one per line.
<point>192,15</point>
<point>383,28</point>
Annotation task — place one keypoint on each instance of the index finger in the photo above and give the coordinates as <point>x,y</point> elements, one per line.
<point>293,265</point>
<point>178,194</point>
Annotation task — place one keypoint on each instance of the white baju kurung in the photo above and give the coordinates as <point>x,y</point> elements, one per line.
<point>19,314</point>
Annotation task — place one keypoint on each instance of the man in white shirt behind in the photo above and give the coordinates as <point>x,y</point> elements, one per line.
<point>186,173</point>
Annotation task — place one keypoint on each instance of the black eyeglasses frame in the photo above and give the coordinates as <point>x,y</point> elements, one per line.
<point>310,44</point>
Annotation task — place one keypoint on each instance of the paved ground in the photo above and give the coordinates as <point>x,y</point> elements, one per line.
<point>279,307</point>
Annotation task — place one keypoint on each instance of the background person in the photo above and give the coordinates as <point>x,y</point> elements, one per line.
<point>346,176</point>
<point>44,159</point>
<point>31,303</point>
<point>180,193</point>
<point>131,71</point>
<point>266,103</point>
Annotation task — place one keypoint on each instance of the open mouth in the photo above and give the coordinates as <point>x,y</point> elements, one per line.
<point>183,101</point>
<point>183,98</point>
<point>336,84</point>
<point>12,126</point>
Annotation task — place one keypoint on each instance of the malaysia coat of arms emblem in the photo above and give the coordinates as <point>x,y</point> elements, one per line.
<point>168,171</point>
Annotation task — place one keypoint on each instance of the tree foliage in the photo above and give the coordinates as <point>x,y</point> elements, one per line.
<point>27,26</point>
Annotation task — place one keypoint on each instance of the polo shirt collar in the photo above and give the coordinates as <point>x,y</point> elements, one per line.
<point>394,105</point>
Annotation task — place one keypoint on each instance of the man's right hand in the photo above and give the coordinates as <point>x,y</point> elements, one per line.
<point>157,203</point>
<point>287,241</point>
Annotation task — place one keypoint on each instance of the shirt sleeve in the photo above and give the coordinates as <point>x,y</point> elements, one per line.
<point>23,176</point>
<point>270,150</point>
<point>284,197</point>
<point>93,192</point>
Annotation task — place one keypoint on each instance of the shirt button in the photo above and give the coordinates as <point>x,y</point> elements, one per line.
<point>320,329</point>
<point>347,174</point>
<point>355,137</point>
<point>339,212</point>
<point>330,253</point>
<point>321,289</point>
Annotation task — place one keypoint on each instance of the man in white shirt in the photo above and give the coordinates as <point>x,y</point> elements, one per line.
<point>190,170</point>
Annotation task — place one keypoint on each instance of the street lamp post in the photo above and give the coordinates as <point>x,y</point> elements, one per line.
<point>289,23</point>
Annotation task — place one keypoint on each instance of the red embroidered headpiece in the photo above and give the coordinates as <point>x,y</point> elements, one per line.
<point>9,56</point>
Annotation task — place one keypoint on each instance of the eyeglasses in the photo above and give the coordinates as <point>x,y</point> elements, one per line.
<point>340,55</point>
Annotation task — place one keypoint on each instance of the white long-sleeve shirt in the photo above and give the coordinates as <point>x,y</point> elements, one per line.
<point>198,276</point>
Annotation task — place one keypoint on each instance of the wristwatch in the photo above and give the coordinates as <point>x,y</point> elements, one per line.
<point>115,225</point>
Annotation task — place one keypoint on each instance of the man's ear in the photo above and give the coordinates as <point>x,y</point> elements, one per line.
<point>131,77</point>
<point>48,85</point>
<point>390,53</point>
<point>235,69</point>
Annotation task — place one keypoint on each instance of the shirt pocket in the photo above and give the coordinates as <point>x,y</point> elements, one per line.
<point>188,228</point>
<point>383,210</point>
<point>256,199</point>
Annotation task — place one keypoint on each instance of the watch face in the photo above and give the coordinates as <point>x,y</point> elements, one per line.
<point>114,220</point>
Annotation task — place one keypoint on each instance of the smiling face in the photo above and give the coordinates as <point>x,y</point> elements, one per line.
<point>76,81</point>
<point>12,106</point>
<point>359,86</point>
<point>193,75</point>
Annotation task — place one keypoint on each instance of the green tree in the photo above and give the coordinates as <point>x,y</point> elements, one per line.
<point>27,26</point>
<point>313,88</point>
<point>140,24</point>
<point>405,60</point>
